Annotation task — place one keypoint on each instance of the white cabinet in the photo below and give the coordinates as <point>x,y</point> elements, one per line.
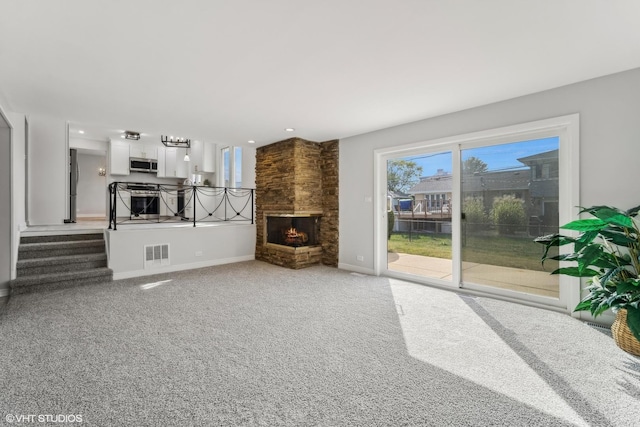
<point>143,151</point>
<point>119,157</point>
<point>171,163</point>
<point>169,204</point>
<point>123,204</point>
<point>203,156</point>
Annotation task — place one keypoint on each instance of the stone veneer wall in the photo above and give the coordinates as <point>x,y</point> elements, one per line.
<point>329,227</point>
<point>296,176</point>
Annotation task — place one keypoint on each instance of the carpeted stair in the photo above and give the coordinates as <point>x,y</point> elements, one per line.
<point>60,261</point>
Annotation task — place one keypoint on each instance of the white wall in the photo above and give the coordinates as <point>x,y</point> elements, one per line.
<point>248,167</point>
<point>5,205</point>
<point>48,170</point>
<point>609,109</point>
<point>89,144</point>
<point>17,181</point>
<point>214,244</point>
<point>18,173</point>
<point>92,188</point>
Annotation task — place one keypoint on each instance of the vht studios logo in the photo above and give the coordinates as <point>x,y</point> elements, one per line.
<point>43,418</point>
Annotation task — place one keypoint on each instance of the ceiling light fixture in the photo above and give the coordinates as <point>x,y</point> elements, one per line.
<point>251,141</point>
<point>81,131</point>
<point>170,141</point>
<point>289,129</point>
<point>129,134</point>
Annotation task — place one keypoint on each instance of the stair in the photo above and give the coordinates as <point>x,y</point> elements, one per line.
<point>58,261</point>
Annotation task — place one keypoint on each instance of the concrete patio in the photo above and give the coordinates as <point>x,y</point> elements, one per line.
<point>516,279</point>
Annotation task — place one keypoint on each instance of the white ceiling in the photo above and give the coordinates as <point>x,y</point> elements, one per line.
<point>228,71</point>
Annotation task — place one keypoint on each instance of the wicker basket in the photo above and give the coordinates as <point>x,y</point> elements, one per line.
<point>622,334</point>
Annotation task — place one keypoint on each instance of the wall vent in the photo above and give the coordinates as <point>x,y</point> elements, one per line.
<point>156,255</point>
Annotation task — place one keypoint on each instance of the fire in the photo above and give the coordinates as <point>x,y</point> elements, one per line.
<point>293,236</point>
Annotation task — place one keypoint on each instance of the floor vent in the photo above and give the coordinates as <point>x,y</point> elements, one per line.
<point>156,255</point>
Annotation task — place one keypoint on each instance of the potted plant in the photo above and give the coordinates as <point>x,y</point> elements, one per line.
<point>606,251</point>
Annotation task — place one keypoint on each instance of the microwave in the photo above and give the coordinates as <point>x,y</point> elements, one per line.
<point>143,165</point>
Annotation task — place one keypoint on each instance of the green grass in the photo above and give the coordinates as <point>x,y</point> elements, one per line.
<point>516,252</point>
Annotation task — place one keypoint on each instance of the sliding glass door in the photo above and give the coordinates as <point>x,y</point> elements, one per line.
<point>420,191</point>
<point>509,197</point>
<point>463,212</point>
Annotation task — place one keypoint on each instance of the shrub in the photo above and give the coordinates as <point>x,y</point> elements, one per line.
<point>476,217</point>
<point>390,222</point>
<point>508,214</point>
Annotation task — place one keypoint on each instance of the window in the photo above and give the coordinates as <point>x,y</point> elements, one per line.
<point>225,167</point>
<point>231,175</point>
<point>237,154</point>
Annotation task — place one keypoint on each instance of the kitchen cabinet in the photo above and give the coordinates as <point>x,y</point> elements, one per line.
<point>118,157</point>
<point>143,151</point>
<point>123,204</point>
<point>171,163</point>
<point>169,204</point>
<point>203,156</point>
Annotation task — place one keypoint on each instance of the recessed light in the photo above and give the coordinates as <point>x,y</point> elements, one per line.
<point>121,136</point>
<point>251,141</point>
<point>81,131</point>
<point>289,129</point>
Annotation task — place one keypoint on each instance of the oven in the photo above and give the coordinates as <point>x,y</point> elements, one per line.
<point>144,201</point>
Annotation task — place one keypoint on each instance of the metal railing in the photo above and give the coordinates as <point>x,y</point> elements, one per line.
<point>179,203</point>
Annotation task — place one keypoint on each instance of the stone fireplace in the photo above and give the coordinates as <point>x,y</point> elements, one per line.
<point>297,203</point>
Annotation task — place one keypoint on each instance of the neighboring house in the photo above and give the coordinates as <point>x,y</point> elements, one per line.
<point>536,184</point>
<point>543,188</point>
<point>432,193</point>
<point>491,185</point>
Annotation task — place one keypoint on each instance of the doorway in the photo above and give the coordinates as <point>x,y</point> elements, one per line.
<point>91,194</point>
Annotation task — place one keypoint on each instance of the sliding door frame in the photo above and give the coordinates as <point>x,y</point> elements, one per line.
<point>565,127</point>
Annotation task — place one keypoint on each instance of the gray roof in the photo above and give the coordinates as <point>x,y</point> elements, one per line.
<point>540,157</point>
<point>432,184</point>
<point>494,181</point>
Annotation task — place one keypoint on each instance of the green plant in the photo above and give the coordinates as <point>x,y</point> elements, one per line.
<point>606,251</point>
<point>390,223</point>
<point>508,214</point>
<point>475,214</point>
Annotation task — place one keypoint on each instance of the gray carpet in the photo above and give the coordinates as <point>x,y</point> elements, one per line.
<point>259,345</point>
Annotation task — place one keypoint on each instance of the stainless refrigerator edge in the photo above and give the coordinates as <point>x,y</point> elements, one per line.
<point>74,175</point>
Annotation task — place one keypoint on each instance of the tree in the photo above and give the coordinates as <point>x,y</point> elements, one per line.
<point>473,165</point>
<point>402,174</point>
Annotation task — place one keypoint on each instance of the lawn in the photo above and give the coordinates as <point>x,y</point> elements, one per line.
<point>516,252</point>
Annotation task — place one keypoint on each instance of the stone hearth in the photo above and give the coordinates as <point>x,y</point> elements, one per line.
<point>297,180</point>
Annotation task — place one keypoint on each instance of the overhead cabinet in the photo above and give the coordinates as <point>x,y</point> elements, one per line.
<point>203,156</point>
<point>143,151</point>
<point>171,163</point>
<point>119,157</point>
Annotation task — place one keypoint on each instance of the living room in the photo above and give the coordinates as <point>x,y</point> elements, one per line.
<point>433,77</point>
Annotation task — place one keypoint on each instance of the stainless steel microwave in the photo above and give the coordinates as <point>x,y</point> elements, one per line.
<point>143,165</point>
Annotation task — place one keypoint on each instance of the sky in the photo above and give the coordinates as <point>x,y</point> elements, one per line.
<point>497,157</point>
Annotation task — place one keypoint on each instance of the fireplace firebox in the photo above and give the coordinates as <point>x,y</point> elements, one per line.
<point>293,231</point>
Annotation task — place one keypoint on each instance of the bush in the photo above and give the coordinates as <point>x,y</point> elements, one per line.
<point>390,222</point>
<point>508,214</point>
<point>476,217</point>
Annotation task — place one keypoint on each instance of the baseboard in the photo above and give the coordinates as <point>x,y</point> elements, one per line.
<point>356,268</point>
<point>180,267</point>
